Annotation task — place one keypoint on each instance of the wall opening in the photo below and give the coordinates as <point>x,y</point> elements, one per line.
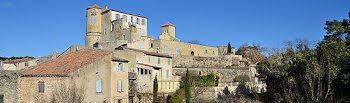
<point>1,98</point>
<point>192,53</point>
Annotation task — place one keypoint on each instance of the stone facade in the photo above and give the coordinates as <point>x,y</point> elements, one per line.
<point>9,85</point>
<point>224,61</point>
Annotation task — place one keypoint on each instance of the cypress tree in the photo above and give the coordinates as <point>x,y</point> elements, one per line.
<point>155,90</point>
<point>229,48</point>
<point>187,88</point>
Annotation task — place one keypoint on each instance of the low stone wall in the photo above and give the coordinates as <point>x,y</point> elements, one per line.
<point>9,85</point>
<point>223,61</point>
<point>226,75</point>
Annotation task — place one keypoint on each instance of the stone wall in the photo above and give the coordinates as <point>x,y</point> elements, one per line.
<point>9,85</point>
<point>224,61</point>
<point>226,75</point>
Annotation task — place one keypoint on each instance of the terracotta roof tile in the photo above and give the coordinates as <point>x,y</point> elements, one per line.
<point>66,64</point>
<point>94,6</point>
<point>168,24</point>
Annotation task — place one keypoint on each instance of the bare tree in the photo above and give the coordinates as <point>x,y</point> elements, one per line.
<point>63,94</point>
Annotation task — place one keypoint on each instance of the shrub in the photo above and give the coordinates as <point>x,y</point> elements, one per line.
<point>176,99</point>
<point>242,78</point>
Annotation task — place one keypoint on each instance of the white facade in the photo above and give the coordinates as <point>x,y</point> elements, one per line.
<point>138,21</point>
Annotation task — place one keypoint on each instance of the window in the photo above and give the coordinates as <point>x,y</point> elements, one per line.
<point>142,45</point>
<point>93,20</point>
<point>124,38</point>
<point>123,85</point>
<point>123,67</point>
<point>161,74</point>
<point>119,85</point>
<point>168,61</point>
<point>167,73</point>
<point>105,31</point>
<point>161,85</point>
<point>98,86</point>
<point>93,12</point>
<point>177,51</point>
<point>111,38</point>
<point>165,49</point>
<point>117,16</point>
<point>1,98</point>
<point>120,100</point>
<point>143,32</point>
<point>146,71</point>
<point>26,64</point>
<point>213,52</point>
<point>41,86</point>
<point>132,20</point>
<point>126,18</point>
<point>137,21</point>
<point>118,67</point>
<point>150,72</point>
<point>158,60</point>
<point>143,21</point>
<point>205,51</point>
<point>151,45</point>
<point>112,27</point>
<point>141,71</point>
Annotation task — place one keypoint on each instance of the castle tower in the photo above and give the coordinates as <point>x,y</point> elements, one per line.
<point>93,25</point>
<point>169,29</point>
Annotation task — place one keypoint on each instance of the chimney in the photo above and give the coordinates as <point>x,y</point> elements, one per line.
<point>106,7</point>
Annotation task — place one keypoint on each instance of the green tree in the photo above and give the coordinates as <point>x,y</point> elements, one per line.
<point>311,75</point>
<point>229,48</point>
<point>155,90</point>
<point>187,87</point>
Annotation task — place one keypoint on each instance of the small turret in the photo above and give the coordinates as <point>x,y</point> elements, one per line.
<point>169,28</point>
<point>168,32</point>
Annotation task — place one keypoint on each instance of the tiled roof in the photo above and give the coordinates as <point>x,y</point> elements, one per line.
<point>119,59</point>
<point>66,64</point>
<point>149,53</point>
<point>168,24</point>
<point>155,67</point>
<point>94,6</point>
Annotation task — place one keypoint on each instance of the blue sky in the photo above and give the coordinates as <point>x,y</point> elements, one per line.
<point>41,27</point>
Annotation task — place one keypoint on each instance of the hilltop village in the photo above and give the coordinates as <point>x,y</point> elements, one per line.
<point>119,63</point>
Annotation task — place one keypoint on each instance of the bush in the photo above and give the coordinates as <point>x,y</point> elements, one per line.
<point>242,78</point>
<point>176,99</point>
<point>205,80</point>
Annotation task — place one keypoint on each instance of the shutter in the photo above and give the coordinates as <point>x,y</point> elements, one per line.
<point>119,85</point>
<point>117,67</point>
<point>98,86</point>
<point>123,85</point>
<point>123,69</point>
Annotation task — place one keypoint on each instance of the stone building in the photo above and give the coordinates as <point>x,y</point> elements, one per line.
<point>105,25</point>
<point>17,64</point>
<point>98,77</point>
<point>147,66</point>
